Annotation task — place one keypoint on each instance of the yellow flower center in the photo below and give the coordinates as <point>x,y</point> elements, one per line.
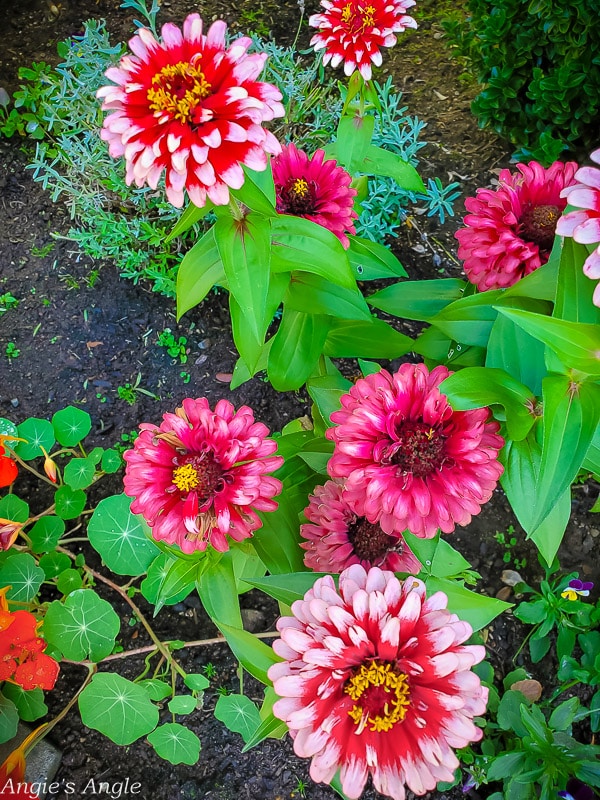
<point>347,13</point>
<point>178,89</point>
<point>569,594</point>
<point>299,188</point>
<point>186,478</point>
<point>369,17</point>
<point>365,14</point>
<point>383,693</point>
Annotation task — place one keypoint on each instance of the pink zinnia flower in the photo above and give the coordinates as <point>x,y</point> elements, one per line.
<point>510,231</point>
<point>337,538</point>
<point>408,459</point>
<point>376,681</point>
<point>200,476</point>
<point>584,224</point>
<point>316,189</point>
<point>353,31</point>
<point>191,107</point>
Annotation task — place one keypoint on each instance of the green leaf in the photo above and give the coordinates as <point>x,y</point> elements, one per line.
<point>313,294</point>
<point>30,704</point>
<point>548,535</point>
<point>254,197</point>
<point>46,532</point>
<point>175,743</point>
<point>217,590</point>
<point>111,461</point>
<point>71,425</point>
<point>476,609</point>
<point>418,300</point>
<point>353,139</point>
<point>239,714</point>
<point>9,719</point>
<point>79,473</point>
<point>574,294</point>
<point>325,391</point>
<point>196,681</point>
<point>276,542</point>
<point>13,508</point>
<point>37,433</point>
<point>81,627</point>
<point>118,708</point>
<point>531,613</point>
<point>516,352</point>
<point>54,563</point>
<point>190,216</point>
<point>21,572</point>
<point>447,561</point>
<point>201,268</point>
<point>121,537</point>
<point>254,655</point>
<point>375,339</point>
<point>509,712</point>
<point>157,690</point>
<point>69,581</point>
<point>7,428</point>
<point>245,250</point>
<point>182,704</point>
<point>505,765</point>
<point>296,348</point>
<point>383,162</point>
<point>476,387</point>
<point>534,721</point>
<point>69,502</point>
<point>563,715</point>
<point>287,588</point>
<point>170,580</point>
<point>371,260</point>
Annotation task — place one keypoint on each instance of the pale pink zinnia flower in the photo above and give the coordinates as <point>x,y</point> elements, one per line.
<point>200,476</point>
<point>584,224</point>
<point>409,460</point>
<point>192,107</point>
<point>510,230</point>
<point>353,31</point>
<point>376,681</point>
<point>337,537</point>
<point>315,188</point>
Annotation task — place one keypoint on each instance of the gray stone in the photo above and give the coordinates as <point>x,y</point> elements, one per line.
<point>42,762</point>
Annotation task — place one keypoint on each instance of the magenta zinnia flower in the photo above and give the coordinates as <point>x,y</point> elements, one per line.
<point>200,476</point>
<point>510,231</point>
<point>376,680</point>
<point>352,31</point>
<point>584,223</point>
<point>316,189</point>
<point>191,107</point>
<point>408,459</point>
<point>337,538</point>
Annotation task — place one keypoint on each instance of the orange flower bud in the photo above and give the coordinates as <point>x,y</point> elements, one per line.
<point>50,467</point>
<point>9,530</point>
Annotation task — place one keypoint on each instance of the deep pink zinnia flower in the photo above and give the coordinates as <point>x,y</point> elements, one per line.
<point>408,459</point>
<point>337,538</point>
<point>315,188</point>
<point>200,476</point>
<point>376,680</point>
<point>510,230</point>
<point>584,223</point>
<point>353,31</point>
<point>192,107</point>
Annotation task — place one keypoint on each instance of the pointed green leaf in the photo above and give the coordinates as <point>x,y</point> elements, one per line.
<point>201,268</point>
<point>38,434</point>
<point>375,339</point>
<point>287,588</point>
<point>419,300</point>
<point>296,348</point>
<point>575,291</point>
<point>175,743</point>
<point>238,713</point>
<point>81,627</point>
<point>170,582</point>
<point>516,352</point>
<point>325,391</point>
<point>196,682</point>
<point>371,260</point>
<point>313,294</point>
<point>190,216</point>
<point>71,425</point>
<point>476,609</point>
<point>217,590</point>
<point>253,654</point>
<point>118,708</point>
<point>378,161</point>
<point>256,197</point>
<point>353,139</point>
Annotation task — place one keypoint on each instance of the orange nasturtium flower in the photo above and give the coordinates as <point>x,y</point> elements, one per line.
<point>8,471</point>
<point>22,660</point>
<point>12,771</point>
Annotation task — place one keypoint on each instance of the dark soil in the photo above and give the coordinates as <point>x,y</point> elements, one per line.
<point>81,334</point>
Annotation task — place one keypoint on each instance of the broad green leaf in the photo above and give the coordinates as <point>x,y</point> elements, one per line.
<point>118,708</point>
<point>239,714</point>
<point>9,719</point>
<point>270,728</point>
<point>519,480</point>
<point>182,704</point>
<point>296,348</point>
<point>592,458</point>
<point>548,535</point>
<point>121,537</point>
<point>7,428</point>
<point>245,250</point>
<point>111,461</point>
<point>263,180</point>
<point>383,162</point>
<point>71,425</point>
<point>46,532</point>
<point>170,582</point>
<point>79,473</point>
<point>476,609</point>
<point>246,561</point>
<point>516,352</point>
<point>505,765</point>
<point>563,715</point>
<point>287,588</point>
<point>539,284</point>
<point>375,339</point>
<point>419,300</point>
<point>325,391</point>
<point>254,197</point>
<point>201,268</point>
<point>300,244</point>
<point>30,704</point>
<point>317,453</point>
<point>477,387</point>
<point>69,581</point>
<point>157,690</point>
<point>253,654</point>
<point>574,292</point>
<point>84,626</point>
<point>175,743</point>
<point>313,294</point>
<point>371,260</point>
<point>69,502</point>
<point>196,681</point>
<point>53,564</point>
<point>21,572</point>
<point>369,367</point>
<point>37,433</point>
<point>353,140</point>
<point>241,373</point>
<point>13,508</point>
<point>276,541</point>
<point>190,216</point>
<point>447,561</point>
<point>509,712</point>
<point>217,590</point>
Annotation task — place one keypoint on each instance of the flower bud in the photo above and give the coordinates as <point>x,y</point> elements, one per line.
<point>9,530</point>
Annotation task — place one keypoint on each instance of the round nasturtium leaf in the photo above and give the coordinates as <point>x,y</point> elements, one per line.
<point>46,532</point>
<point>13,508</point>
<point>9,719</point>
<point>84,626</point>
<point>175,743</point>
<point>196,681</point>
<point>7,428</point>
<point>157,690</point>
<point>71,425</point>
<point>30,704</point>
<point>121,537</point>
<point>54,563</point>
<point>182,704</point>
<point>118,708</point>
<point>111,461</point>
<point>23,575</point>
<point>79,473</point>
<point>69,581</point>
<point>37,433</point>
<point>69,502</point>
<point>239,714</point>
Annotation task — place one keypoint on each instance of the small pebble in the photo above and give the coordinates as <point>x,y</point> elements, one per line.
<point>14,402</point>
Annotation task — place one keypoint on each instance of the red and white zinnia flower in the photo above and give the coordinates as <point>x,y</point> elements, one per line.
<point>200,477</point>
<point>510,231</point>
<point>191,107</point>
<point>583,224</point>
<point>409,460</point>
<point>336,537</point>
<point>353,32</point>
<point>376,681</point>
<point>315,188</point>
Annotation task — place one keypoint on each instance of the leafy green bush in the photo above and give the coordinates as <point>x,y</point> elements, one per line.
<point>538,63</point>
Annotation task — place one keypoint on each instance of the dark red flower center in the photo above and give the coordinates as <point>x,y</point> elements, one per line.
<point>419,448</point>
<point>178,89</point>
<point>381,695</point>
<point>538,225</point>
<point>201,474</point>
<point>370,543</point>
<point>297,197</point>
